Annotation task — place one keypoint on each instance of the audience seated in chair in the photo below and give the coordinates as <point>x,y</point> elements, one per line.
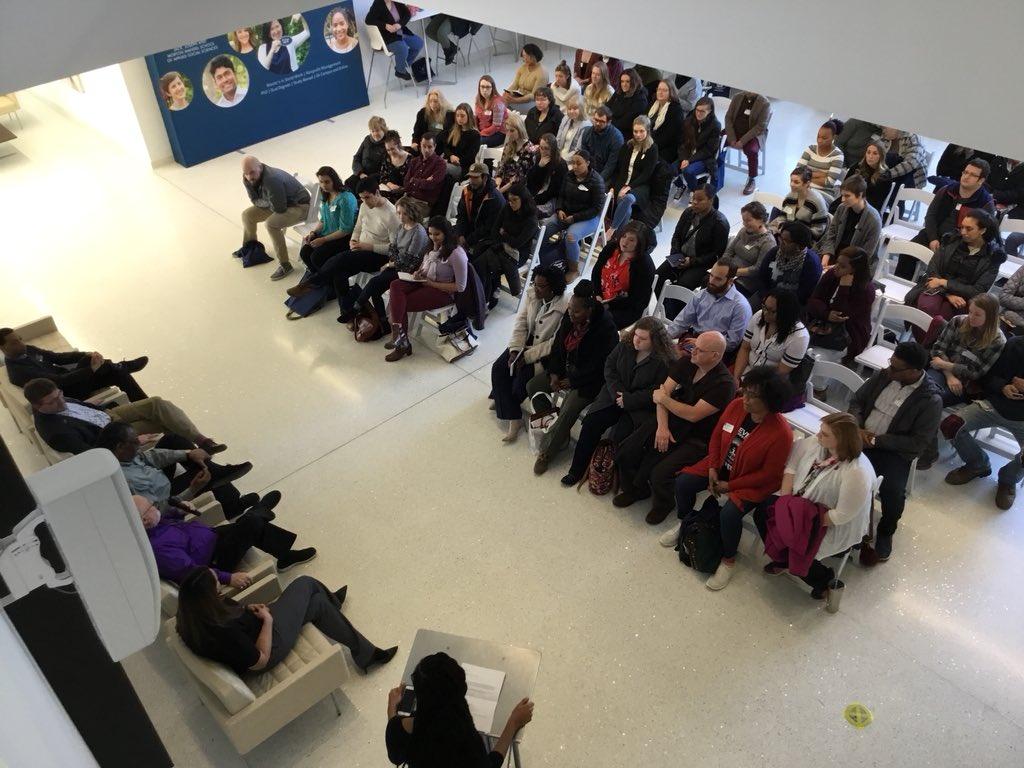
<point>392,19</point>
<point>584,63</point>
<point>855,223</point>
<point>517,156</point>
<point>749,247</point>
<point>442,731</point>
<point>256,638</point>
<point>371,153</point>
<point>686,410</point>
<point>839,310</point>
<point>825,160</point>
<point>699,240</point>
<point>406,245</point>
<point>1002,408</point>
<point>529,76</point>
<point>1011,301</point>
<point>871,167</point>
<point>79,374</point>
<point>435,116</point>
<point>905,157</point>
<point>964,266</point>
<point>579,205</point>
<point>718,307</point>
<point>634,171</point>
<point>744,463</point>
<point>854,138</point>
<point>830,481</point>
<point>628,102</point>
<point>392,171</point>
<point>898,410</point>
<point>478,209</point>
<point>73,426</point>
<point>966,349</point>
<point>624,273</point>
<point>603,141</point>
<point>547,175</point>
<point>533,334</point>
<point>279,200</point>
<point>544,116</point>
<point>1006,182</point>
<point>490,111</point>
<point>746,128</point>
<point>447,30</point>
<point>564,87</point>
<point>666,116</point>
<point>150,473</point>
<point>699,146</point>
<point>337,218</point>
<point>462,142</point>
<point>690,90</point>
<point>792,265</point>
<point>575,366</point>
<point>775,337</point>
<point>951,203</point>
<point>442,275</point>
<point>426,174</point>
<point>951,164</point>
<point>802,204</point>
<point>572,128</point>
<point>510,245</point>
<point>598,91</point>
<point>633,371</point>
<point>179,545</point>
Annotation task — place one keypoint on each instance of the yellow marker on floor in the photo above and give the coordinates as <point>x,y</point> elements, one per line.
<point>858,715</point>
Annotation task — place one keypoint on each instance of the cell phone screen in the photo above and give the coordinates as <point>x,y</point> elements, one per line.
<point>407,706</point>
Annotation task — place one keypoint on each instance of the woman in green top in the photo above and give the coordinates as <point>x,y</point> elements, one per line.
<point>337,219</point>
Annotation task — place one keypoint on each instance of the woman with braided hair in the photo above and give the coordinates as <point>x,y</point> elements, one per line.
<point>441,733</point>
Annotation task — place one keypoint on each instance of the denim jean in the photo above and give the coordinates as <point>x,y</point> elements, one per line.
<point>576,231</point>
<point>407,50</point>
<point>623,210</point>
<point>730,518</point>
<point>981,415</point>
<point>692,171</point>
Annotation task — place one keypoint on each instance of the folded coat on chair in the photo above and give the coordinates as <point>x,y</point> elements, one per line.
<point>795,532</point>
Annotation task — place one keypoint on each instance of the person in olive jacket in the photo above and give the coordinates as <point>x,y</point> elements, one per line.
<point>585,338</point>
<point>624,273</point>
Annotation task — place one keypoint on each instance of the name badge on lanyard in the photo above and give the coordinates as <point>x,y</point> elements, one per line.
<point>727,427</point>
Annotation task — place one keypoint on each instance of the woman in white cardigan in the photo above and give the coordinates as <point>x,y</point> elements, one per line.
<point>832,471</point>
<point>278,52</point>
<point>534,331</point>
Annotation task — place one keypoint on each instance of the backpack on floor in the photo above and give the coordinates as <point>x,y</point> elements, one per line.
<point>700,538</point>
<point>305,305</point>
<point>253,254</point>
<point>602,475</point>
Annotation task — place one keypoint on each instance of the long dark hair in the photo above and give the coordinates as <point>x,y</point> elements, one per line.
<point>444,735</point>
<point>265,31</point>
<point>330,173</point>
<point>690,126</point>
<point>527,207</point>
<point>200,608</point>
<point>787,313</point>
<point>442,224</point>
<point>858,259</point>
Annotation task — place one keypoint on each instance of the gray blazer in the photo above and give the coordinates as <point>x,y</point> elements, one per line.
<point>867,234</point>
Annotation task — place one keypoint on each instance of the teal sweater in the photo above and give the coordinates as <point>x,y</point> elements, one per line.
<point>339,215</point>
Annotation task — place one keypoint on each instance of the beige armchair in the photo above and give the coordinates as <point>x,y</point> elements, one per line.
<point>9,106</point>
<point>249,709</point>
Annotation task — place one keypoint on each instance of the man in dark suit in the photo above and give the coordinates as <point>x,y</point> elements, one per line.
<point>73,426</point>
<point>79,374</point>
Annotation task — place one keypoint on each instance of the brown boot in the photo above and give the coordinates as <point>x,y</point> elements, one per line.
<point>963,475</point>
<point>396,331</point>
<point>300,289</point>
<point>403,348</point>
<point>1006,494</point>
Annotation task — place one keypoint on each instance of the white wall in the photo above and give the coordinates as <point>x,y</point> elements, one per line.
<point>937,67</point>
<point>35,731</point>
<point>150,120</point>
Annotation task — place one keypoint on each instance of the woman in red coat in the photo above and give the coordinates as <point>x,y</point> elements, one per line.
<point>745,461</point>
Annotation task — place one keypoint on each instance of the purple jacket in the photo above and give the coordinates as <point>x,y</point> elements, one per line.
<point>794,532</point>
<point>180,546</point>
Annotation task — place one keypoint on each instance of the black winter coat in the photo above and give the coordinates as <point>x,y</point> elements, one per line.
<point>627,308</point>
<point>625,109</point>
<point>669,136</point>
<point>582,200</point>
<point>635,382</point>
<point>535,128</point>
<point>369,157</point>
<point>584,366</point>
<point>643,170</point>
<point>545,181</point>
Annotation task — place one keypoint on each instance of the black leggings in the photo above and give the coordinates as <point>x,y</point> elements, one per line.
<point>307,601</point>
<point>316,258</point>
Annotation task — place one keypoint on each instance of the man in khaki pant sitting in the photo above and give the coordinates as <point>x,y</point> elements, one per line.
<point>73,426</point>
<point>278,200</point>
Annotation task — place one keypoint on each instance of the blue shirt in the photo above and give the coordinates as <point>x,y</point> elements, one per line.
<point>144,477</point>
<point>728,314</point>
<point>338,215</point>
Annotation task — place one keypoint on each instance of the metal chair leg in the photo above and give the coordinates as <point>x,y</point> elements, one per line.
<point>334,699</point>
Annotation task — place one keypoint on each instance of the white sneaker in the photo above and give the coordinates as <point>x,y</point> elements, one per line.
<point>670,537</point>
<point>721,577</point>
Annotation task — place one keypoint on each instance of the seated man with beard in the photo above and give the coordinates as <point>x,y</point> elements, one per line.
<point>719,307</point>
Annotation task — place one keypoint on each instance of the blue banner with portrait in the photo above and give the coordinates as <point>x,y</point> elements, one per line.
<point>257,82</point>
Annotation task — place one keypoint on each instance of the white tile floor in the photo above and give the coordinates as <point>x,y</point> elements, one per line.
<point>397,474</point>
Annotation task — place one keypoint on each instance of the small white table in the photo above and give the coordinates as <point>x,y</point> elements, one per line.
<point>520,666</point>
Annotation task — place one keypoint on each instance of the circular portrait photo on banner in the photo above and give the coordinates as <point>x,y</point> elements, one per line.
<point>244,39</point>
<point>284,44</point>
<point>176,91</point>
<point>340,30</point>
<point>225,80</point>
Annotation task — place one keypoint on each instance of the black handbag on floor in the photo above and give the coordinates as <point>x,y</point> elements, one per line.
<point>700,538</point>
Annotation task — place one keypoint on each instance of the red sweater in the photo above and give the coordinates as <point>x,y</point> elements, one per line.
<point>760,459</point>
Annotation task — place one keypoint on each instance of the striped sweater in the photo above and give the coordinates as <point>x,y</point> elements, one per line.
<point>831,164</point>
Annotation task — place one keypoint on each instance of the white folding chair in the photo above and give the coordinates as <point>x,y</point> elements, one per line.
<point>808,418</point>
<point>896,288</point>
<point>595,237</point>
<point>674,292</point>
<point>1012,263</point>
<point>846,555</point>
<point>488,153</point>
<point>453,201</point>
<point>378,47</point>
<point>534,261</point>
<point>313,217</point>
<point>906,227</point>
<point>876,356</point>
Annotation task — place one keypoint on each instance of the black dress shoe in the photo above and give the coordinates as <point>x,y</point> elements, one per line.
<point>341,594</point>
<point>212,447</point>
<point>134,366</point>
<point>403,75</point>
<point>295,557</point>
<point>270,500</point>
<point>231,473</point>
<point>380,656</point>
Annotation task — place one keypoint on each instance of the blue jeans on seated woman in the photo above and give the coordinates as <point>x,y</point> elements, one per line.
<point>623,210</point>
<point>731,516</point>
<point>406,49</point>
<point>576,232</point>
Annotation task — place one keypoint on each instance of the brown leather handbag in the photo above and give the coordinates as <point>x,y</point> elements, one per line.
<point>366,326</point>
